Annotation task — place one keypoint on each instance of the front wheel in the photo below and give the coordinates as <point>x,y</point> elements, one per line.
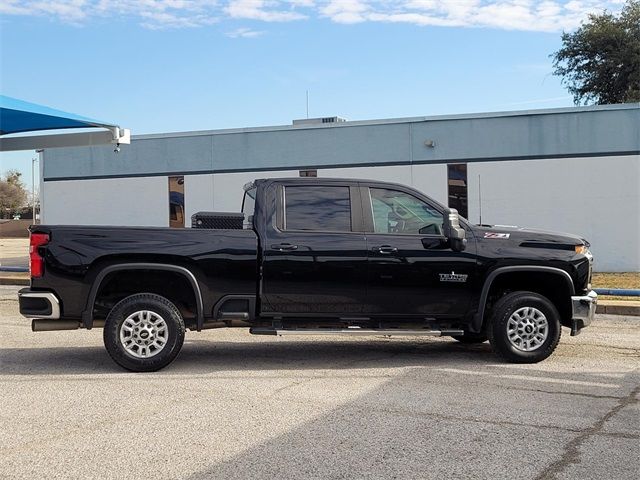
<point>144,332</point>
<point>525,327</point>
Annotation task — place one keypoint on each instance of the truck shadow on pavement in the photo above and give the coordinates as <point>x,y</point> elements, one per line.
<point>203,356</point>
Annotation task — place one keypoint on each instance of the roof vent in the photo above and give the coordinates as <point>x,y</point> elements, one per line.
<point>319,120</point>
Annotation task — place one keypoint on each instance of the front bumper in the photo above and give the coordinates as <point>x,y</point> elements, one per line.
<point>584,309</point>
<point>37,304</point>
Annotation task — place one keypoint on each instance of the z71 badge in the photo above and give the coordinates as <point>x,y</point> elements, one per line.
<point>453,277</point>
<point>496,235</point>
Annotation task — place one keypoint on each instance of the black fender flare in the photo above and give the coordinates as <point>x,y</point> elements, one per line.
<point>87,314</point>
<point>479,316</point>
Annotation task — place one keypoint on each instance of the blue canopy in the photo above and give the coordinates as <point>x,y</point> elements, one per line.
<point>18,116</point>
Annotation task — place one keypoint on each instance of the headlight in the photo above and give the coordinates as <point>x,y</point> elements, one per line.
<point>581,249</point>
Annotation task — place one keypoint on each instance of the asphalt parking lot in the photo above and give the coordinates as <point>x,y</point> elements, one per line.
<point>237,406</point>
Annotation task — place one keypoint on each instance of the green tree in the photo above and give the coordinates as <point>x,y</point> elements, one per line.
<point>13,194</point>
<point>600,62</point>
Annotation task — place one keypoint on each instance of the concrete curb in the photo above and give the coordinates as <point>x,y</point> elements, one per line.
<point>14,280</point>
<point>612,307</point>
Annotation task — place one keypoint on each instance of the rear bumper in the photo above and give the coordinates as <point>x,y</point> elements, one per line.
<point>36,304</point>
<point>584,309</point>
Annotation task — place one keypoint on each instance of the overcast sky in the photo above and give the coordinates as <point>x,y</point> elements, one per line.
<point>173,65</point>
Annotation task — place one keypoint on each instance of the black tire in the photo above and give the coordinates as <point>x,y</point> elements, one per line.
<point>471,338</point>
<point>165,336</point>
<point>499,336</point>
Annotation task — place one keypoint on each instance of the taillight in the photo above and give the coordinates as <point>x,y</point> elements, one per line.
<point>36,262</point>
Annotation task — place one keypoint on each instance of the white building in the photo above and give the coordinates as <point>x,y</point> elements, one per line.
<point>573,169</point>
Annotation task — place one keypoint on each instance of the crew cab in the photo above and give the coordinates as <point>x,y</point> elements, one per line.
<point>316,257</point>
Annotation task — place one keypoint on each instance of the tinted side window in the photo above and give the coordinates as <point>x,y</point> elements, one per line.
<point>399,212</point>
<point>317,208</point>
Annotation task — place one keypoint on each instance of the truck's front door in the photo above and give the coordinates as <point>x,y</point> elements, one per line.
<point>314,255</point>
<point>412,271</point>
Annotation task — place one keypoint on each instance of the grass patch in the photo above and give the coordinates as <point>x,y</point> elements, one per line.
<point>628,280</point>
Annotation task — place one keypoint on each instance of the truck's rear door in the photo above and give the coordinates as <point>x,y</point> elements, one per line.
<point>314,253</point>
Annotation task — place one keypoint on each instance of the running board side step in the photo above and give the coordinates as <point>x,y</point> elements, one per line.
<point>352,331</point>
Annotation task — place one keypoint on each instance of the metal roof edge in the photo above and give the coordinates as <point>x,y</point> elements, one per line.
<point>389,121</point>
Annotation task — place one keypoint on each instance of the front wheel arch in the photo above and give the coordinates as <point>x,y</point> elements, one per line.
<point>554,283</point>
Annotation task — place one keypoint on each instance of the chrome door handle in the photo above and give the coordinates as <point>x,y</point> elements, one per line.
<point>284,247</point>
<point>387,249</point>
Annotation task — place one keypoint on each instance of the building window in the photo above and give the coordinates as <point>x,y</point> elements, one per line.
<point>309,173</point>
<point>457,182</point>
<point>176,202</point>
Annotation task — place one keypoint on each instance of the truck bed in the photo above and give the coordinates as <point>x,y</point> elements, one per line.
<point>222,261</point>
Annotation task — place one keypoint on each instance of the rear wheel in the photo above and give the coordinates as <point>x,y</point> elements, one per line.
<point>144,332</point>
<point>525,327</point>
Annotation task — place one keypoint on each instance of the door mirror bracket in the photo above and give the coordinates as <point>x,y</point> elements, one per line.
<point>453,231</point>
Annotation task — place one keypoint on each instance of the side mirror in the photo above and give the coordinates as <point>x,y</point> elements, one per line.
<point>453,231</point>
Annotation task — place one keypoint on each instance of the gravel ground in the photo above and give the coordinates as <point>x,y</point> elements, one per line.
<point>237,406</point>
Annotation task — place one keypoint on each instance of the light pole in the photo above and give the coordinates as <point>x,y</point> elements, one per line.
<point>33,189</point>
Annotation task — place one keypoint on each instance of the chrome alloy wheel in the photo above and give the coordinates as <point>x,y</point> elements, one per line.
<point>144,334</point>
<point>527,329</point>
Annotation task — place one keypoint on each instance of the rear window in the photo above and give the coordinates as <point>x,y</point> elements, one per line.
<point>318,208</point>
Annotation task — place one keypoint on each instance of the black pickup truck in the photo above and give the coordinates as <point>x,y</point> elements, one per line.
<point>312,256</point>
